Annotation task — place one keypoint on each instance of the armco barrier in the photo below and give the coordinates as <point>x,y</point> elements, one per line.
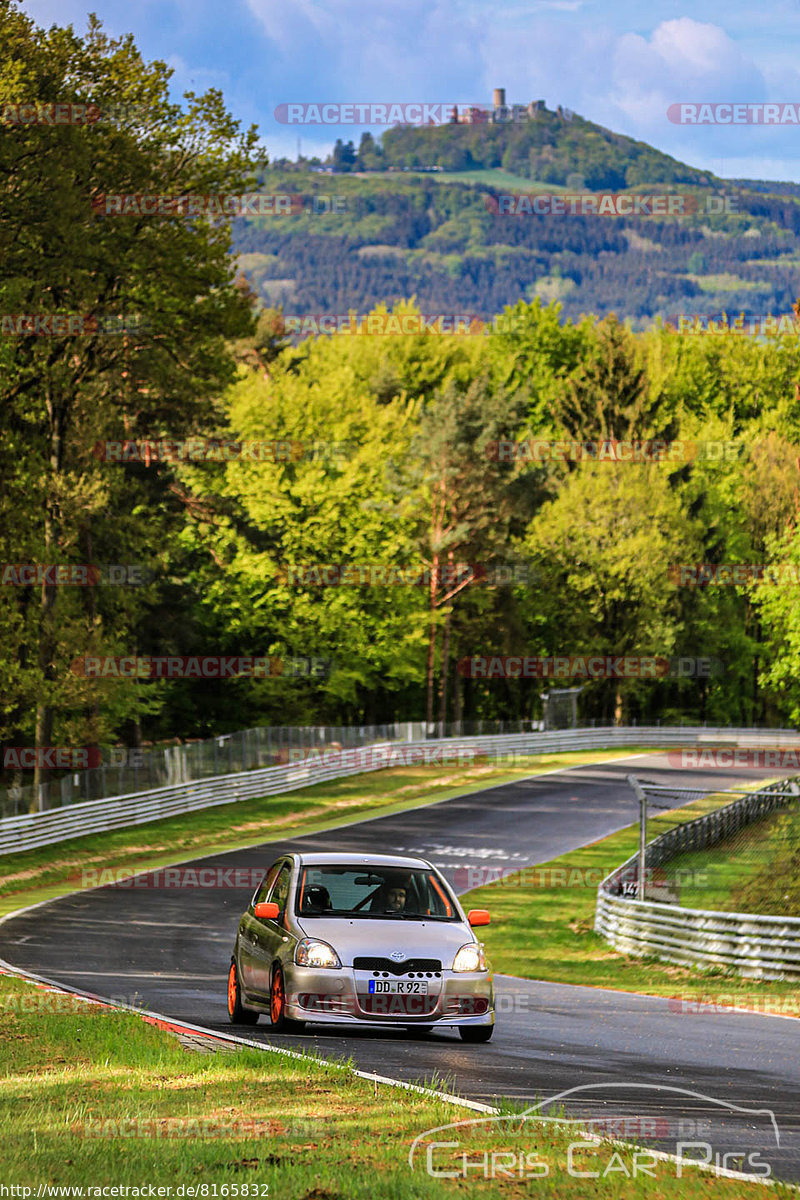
<point>127,771</point>
<point>30,830</point>
<point>761,947</point>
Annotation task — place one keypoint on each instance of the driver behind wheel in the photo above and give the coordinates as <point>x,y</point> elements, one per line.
<point>393,896</point>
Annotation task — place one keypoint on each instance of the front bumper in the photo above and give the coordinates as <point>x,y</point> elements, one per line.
<point>343,997</point>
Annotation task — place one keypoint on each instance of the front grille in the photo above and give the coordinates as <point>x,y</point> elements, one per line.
<point>367,963</point>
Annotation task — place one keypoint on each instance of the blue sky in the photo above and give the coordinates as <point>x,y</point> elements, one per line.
<point>619,63</point>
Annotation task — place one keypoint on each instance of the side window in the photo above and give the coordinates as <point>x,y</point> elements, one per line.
<point>280,893</point>
<point>269,879</point>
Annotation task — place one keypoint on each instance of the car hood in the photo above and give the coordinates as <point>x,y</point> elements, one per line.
<point>372,936</point>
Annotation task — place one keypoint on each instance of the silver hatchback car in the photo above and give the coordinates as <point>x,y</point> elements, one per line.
<point>343,939</point>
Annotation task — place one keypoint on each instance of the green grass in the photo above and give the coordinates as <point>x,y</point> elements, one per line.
<point>494,177</point>
<point>94,1097</point>
<point>55,870</point>
<point>543,926</point>
<point>726,282</point>
<point>757,870</point>
<point>552,287</point>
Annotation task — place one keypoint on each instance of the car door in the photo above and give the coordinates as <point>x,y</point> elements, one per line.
<point>249,927</point>
<point>270,935</point>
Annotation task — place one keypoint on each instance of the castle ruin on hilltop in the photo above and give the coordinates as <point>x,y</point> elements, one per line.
<point>501,113</point>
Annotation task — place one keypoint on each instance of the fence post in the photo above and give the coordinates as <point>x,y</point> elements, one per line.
<point>642,798</point>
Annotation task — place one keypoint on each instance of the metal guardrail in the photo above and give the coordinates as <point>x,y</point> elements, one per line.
<point>757,946</point>
<point>127,771</point>
<point>28,831</point>
<point>124,772</point>
<point>32,830</point>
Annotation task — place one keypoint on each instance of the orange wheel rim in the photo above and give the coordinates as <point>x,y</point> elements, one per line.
<point>232,988</point>
<point>277,997</point>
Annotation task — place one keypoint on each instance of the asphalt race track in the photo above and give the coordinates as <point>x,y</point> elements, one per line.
<point>168,949</point>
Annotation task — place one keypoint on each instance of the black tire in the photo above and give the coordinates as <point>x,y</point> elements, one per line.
<point>476,1033</point>
<point>277,1006</point>
<point>237,1013</point>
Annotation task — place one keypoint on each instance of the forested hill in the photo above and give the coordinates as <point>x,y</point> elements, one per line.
<point>550,146</point>
<point>440,237</point>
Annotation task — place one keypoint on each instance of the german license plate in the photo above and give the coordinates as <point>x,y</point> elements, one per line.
<point>398,987</point>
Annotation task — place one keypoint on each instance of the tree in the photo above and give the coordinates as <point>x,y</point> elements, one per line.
<point>344,155</point>
<point>461,499</point>
<point>607,395</point>
<point>770,493</point>
<point>63,253</point>
<point>369,153</point>
<point>529,348</point>
<point>604,546</point>
<point>267,341</point>
<point>776,600</point>
<point>350,406</point>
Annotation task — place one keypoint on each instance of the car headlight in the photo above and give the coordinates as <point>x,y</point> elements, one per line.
<point>470,958</point>
<point>311,952</point>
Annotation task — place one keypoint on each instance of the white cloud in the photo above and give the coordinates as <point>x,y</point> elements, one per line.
<point>683,60</point>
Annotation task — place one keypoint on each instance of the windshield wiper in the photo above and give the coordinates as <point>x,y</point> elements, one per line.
<point>403,916</point>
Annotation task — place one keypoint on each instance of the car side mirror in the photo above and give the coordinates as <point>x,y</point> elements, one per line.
<point>478,916</point>
<point>267,910</point>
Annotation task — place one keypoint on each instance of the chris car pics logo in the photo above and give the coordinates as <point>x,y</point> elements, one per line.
<point>691,1129</point>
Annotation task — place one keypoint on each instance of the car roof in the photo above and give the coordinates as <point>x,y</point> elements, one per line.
<point>357,858</point>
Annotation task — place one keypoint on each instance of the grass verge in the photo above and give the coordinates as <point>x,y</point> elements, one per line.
<point>543,926</point>
<point>755,871</point>
<point>92,1097</point>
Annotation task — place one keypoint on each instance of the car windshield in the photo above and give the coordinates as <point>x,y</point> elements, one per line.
<point>373,892</point>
